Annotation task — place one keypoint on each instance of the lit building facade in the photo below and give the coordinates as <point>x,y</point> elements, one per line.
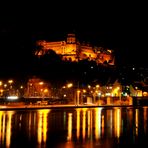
<point>37,88</point>
<point>72,50</point>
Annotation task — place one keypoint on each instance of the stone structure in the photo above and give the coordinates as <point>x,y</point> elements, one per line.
<point>71,49</point>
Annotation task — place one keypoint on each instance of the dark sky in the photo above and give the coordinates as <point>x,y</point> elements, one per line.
<point>122,27</point>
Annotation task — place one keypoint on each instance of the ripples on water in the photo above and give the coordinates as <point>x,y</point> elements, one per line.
<point>74,127</point>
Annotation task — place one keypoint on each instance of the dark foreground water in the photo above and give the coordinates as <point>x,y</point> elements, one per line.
<point>106,127</point>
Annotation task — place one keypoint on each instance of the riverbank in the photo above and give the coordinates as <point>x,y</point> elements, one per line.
<point>28,107</point>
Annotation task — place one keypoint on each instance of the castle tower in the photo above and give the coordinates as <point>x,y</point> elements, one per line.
<point>71,39</point>
<point>71,44</point>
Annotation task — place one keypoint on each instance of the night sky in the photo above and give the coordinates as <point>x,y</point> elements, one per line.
<point>121,27</point>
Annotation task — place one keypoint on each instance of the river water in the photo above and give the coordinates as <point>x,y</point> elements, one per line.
<point>104,127</point>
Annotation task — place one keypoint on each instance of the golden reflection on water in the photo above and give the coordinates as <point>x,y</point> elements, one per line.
<point>83,125</point>
<point>78,122</point>
<point>69,137</point>
<point>8,128</point>
<point>136,118</point>
<point>42,125</point>
<point>102,125</point>
<point>145,118</point>
<point>89,123</point>
<point>5,127</point>
<point>117,122</point>
<point>1,116</point>
<point>29,125</point>
<point>97,122</point>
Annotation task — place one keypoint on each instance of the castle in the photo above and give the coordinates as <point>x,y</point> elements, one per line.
<point>72,50</point>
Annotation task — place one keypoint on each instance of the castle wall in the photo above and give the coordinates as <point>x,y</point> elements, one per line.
<point>70,49</point>
<point>87,51</point>
<point>55,46</point>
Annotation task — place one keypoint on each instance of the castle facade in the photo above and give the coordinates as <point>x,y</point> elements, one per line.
<point>71,49</point>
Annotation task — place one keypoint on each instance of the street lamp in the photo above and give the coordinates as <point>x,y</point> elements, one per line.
<point>41,83</point>
<point>78,97</point>
<point>1,83</point>
<point>69,85</point>
<point>10,81</point>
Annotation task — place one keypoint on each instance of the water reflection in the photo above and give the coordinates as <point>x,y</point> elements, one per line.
<point>89,127</point>
<point>109,123</point>
<point>8,128</point>
<point>78,122</point>
<point>5,127</point>
<point>117,122</point>
<point>89,123</point>
<point>136,121</point>
<point>83,122</point>
<point>69,126</point>
<point>145,118</point>
<point>42,126</point>
<point>97,123</point>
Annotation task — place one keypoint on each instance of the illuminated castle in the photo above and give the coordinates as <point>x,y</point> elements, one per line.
<point>72,50</point>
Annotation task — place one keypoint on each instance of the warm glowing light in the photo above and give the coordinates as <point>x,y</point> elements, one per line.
<point>69,85</point>
<point>117,122</point>
<point>29,123</point>
<point>116,91</point>
<point>83,123</point>
<point>69,137</point>
<point>89,86</point>
<point>108,94</point>
<point>12,97</point>
<point>10,81</point>
<point>45,90</point>
<point>137,112</point>
<point>78,123</point>
<point>69,51</point>
<point>98,123</point>
<point>84,91</point>
<point>102,124</point>
<point>89,123</point>
<point>8,128</point>
<point>97,86</point>
<point>3,127</point>
<point>1,117</point>
<point>145,93</point>
<point>41,83</point>
<point>5,85</point>
<point>1,83</point>
<point>1,90</point>
<point>78,97</point>
<point>42,125</point>
<point>45,114</point>
<point>78,91</point>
